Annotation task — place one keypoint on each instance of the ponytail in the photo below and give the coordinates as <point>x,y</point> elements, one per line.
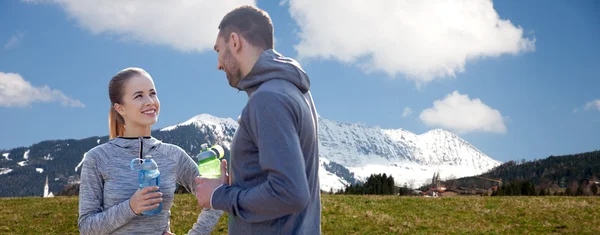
<point>116,124</point>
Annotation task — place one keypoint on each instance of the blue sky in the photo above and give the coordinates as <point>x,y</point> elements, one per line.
<point>517,79</point>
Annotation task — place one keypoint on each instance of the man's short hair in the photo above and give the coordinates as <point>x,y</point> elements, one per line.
<point>251,23</point>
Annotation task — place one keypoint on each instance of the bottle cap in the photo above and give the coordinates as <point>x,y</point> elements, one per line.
<point>218,150</point>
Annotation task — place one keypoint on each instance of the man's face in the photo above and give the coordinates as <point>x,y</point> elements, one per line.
<point>227,62</point>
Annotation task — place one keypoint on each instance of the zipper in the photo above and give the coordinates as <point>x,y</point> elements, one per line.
<point>141,147</point>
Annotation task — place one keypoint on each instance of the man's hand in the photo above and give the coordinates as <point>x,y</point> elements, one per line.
<point>205,186</point>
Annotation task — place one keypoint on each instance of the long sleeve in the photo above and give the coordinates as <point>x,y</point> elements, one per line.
<point>186,173</point>
<point>92,218</point>
<point>272,124</point>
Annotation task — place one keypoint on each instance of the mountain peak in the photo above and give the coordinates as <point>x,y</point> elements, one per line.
<point>401,153</point>
<point>205,118</point>
<point>439,131</point>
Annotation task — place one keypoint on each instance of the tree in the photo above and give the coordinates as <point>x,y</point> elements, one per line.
<point>376,184</point>
<point>392,185</point>
<point>594,189</point>
<point>506,191</point>
<point>568,192</point>
<point>411,183</point>
<point>385,186</point>
<point>579,191</point>
<point>563,182</point>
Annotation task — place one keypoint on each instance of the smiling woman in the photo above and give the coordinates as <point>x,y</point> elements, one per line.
<point>110,198</point>
<point>133,100</point>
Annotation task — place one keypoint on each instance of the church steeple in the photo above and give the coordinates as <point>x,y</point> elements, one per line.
<point>46,187</point>
<point>47,192</point>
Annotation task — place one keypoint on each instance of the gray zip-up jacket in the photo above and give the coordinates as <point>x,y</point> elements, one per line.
<point>274,166</point>
<point>108,182</point>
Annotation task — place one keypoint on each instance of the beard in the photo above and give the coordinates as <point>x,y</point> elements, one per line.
<point>232,69</point>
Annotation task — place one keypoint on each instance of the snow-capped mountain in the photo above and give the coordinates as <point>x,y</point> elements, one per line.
<point>410,158</point>
<point>348,153</point>
<point>366,150</point>
<point>222,129</point>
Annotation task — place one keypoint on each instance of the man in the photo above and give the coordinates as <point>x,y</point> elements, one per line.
<point>274,186</point>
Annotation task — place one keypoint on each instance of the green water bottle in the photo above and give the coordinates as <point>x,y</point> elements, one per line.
<point>209,161</point>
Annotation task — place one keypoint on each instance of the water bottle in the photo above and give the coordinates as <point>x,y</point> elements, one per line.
<point>148,176</point>
<point>209,161</point>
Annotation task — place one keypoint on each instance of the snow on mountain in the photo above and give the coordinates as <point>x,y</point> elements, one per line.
<point>329,180</point>
<point>5,155</point>
<point>26,157</point>
<point>5,171</point>
<point>363,151</point>
<point>357,145</point>
<point>408,157</point>
<point>80,163</point>
<point>218,126</point>
<point>48,157</point>
<point>39,170</point>
<point>205,119</point>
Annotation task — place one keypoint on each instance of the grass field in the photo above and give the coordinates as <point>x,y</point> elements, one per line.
<point>343,214</point>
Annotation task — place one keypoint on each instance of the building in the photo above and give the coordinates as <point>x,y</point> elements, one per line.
<point>47,192</point>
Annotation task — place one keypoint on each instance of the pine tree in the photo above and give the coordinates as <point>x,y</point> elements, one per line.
<point>594,189</point>
<point>579,191</point>
<point>391,185</point>
<point>562,183</point>
<point>384,185</point>
<point>568,192</point>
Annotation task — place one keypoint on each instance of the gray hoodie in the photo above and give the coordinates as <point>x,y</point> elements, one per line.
<point>107,184</point>
<point>274,166</point>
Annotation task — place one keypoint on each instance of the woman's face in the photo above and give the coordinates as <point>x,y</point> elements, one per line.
<point>140,105</point>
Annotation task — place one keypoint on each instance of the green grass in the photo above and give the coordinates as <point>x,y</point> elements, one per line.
<point>344,214</point>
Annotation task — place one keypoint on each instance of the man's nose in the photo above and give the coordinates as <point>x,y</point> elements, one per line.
<point>219,66</point>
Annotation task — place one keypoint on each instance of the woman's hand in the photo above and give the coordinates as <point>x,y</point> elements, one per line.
<point>142,200</point>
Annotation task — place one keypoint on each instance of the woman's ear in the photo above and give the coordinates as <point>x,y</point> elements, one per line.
<point>120,109</point>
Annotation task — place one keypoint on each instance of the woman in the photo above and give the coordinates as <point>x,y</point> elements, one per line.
<point>109,198</point>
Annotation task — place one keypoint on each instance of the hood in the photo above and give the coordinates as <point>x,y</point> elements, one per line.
<point>272,65</point>
<point>136,144</point>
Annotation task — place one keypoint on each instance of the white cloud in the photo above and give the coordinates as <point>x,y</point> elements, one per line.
<point>14,41</point>
<point>593,105</point>
<point>423,40</point>
<point>184,25</point>
<point>461,114</point>
<point>16,92</point>
<point>407,111</point>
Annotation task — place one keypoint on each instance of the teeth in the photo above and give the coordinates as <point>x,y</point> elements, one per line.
<point>149,112</point>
